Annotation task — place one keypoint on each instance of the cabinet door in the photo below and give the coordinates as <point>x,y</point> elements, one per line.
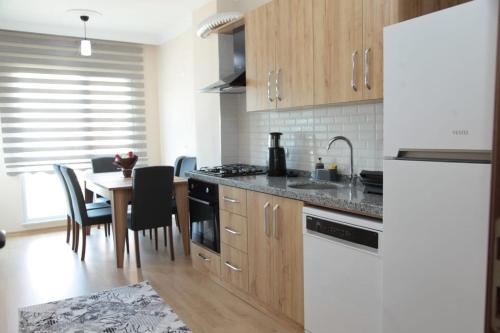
<point>294,53</point>
<point>288,258</point>
<point>260,35</point>
<point>338,42</point>
<point>374,20</point>
<point>259,246</point>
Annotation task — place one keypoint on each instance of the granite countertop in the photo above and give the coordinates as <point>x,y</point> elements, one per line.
<point>346,198</point>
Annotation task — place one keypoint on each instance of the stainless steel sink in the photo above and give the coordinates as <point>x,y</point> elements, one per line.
<point>316,186</point>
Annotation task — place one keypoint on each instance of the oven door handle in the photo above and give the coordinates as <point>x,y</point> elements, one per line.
<point>203,202</point>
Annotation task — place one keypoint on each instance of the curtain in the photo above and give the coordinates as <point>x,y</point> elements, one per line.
<point>57,106</point>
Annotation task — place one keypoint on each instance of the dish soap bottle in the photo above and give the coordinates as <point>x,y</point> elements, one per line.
<point>320,164</point>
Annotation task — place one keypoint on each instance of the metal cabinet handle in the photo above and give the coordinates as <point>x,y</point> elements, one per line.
<point>230,200</point>
<point>275,221</point>
<point>354,83</point>
<point>278,94</point>
<point>203,202</point>
<point>367,68</point>
<point>269,74</point>
<point>232,232</point>
<point>202,257</point>
<point>266,222</point>
<point>234,268</point>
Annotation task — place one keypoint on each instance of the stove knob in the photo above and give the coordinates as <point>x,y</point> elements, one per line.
<point>207,190</point>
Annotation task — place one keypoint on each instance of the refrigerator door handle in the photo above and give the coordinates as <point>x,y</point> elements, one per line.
<point>450,156</point>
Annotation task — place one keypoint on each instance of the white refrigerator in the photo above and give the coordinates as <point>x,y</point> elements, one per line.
<point>439,73</point>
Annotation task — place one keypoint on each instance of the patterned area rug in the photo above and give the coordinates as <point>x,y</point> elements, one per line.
<point>132,309</point>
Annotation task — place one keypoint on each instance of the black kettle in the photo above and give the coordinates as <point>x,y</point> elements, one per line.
<point>277,156</point>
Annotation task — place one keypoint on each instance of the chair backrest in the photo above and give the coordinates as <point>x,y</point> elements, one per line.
<point>76,194</point>
<point>57,170</point>
<point>187,164</point>
<point>177,165</point>
<point>104,164</point>
<point>2,238</point>
<point>152,189</point>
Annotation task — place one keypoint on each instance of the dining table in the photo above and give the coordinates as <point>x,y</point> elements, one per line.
<point>118,189</point>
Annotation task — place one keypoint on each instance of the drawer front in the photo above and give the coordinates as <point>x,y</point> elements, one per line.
<point>233,200</point>
<point>204,260</point>
<point>234,267</point>
<point>233,230</point>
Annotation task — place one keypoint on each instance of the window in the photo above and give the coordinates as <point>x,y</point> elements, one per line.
<point>59,107</point>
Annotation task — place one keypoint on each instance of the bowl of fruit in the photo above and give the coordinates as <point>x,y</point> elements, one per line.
<point>126,163</point>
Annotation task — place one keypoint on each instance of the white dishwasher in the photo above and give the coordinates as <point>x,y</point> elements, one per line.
<point>342,272</point>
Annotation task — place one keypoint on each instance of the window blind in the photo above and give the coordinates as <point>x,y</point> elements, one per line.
<point>59,107</point>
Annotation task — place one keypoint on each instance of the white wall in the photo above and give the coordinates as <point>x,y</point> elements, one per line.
<point>206,106</point>
<point>176,98</point>
<point>191,122</point>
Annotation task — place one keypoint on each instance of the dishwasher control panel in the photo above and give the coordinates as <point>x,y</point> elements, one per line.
<point>344,232</point>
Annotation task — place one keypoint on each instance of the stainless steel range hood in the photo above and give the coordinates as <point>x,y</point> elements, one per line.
<point>235,82</point>
<point>231,84</point>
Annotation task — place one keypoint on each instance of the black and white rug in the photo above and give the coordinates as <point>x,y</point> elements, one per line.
<point>135,308</point>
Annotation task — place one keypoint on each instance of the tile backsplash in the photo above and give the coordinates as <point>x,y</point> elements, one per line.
<point>306,134</point>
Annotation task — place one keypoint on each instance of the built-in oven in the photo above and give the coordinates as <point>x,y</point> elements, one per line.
<point>204,214</point>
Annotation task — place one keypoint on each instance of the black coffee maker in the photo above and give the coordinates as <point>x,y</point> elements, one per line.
<point>277,160</point>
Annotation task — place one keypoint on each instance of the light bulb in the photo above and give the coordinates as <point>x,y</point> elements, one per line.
<point>85,48</point>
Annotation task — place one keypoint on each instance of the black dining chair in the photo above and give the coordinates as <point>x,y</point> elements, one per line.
<point>186,164</point>
<point>152,189</point>
<point>69,212</point>
<point>182,165</point>
<point>2,238</point>
<point>104,164</point>
<point>177,165</point>
<point>101,165</point>
<point>81,215</point>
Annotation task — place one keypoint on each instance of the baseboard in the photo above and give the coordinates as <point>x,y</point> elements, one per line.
<point>36,231</point>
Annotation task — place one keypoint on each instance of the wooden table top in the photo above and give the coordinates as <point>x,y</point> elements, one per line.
<point>116,181</point>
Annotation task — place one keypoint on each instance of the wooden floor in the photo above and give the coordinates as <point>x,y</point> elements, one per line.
<point>41,268</point>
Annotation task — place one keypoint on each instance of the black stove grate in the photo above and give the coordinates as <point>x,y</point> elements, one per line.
<point>232,170</point>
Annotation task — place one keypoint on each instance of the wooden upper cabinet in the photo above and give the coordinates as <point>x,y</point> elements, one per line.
<point>279,55</point>
<point>313,52</point>
<point>338,44</point>
<point>374,21</point>
<point>260,35</point>
<point>294,53</point>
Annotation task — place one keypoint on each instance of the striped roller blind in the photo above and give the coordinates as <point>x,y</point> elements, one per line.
<point>57,106</point>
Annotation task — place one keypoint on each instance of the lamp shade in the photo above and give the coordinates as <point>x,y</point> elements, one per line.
<point>85,48</point>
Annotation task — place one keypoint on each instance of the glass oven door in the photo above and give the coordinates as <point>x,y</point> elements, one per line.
<point>204,218</point>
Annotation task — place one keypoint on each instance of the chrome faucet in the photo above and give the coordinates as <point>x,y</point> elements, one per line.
<point>343,138</point>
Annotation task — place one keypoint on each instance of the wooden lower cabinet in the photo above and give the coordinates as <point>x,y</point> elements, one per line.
<point>204,260</point>
<point>234,267</point>
<point>288,259</point>
<point>233,230</point>
<point>261,258</point>
<point>275,253</point>
<point>259,245</point>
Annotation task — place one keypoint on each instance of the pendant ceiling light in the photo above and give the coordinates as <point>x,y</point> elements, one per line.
<point>85,45</point>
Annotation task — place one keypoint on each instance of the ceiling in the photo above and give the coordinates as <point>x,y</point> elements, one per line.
<point>138,21</point>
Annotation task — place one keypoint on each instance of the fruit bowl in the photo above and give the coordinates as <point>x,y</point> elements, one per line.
<point>126,163</point>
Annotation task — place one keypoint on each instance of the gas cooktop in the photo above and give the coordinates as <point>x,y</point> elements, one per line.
<point>232,170</point>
